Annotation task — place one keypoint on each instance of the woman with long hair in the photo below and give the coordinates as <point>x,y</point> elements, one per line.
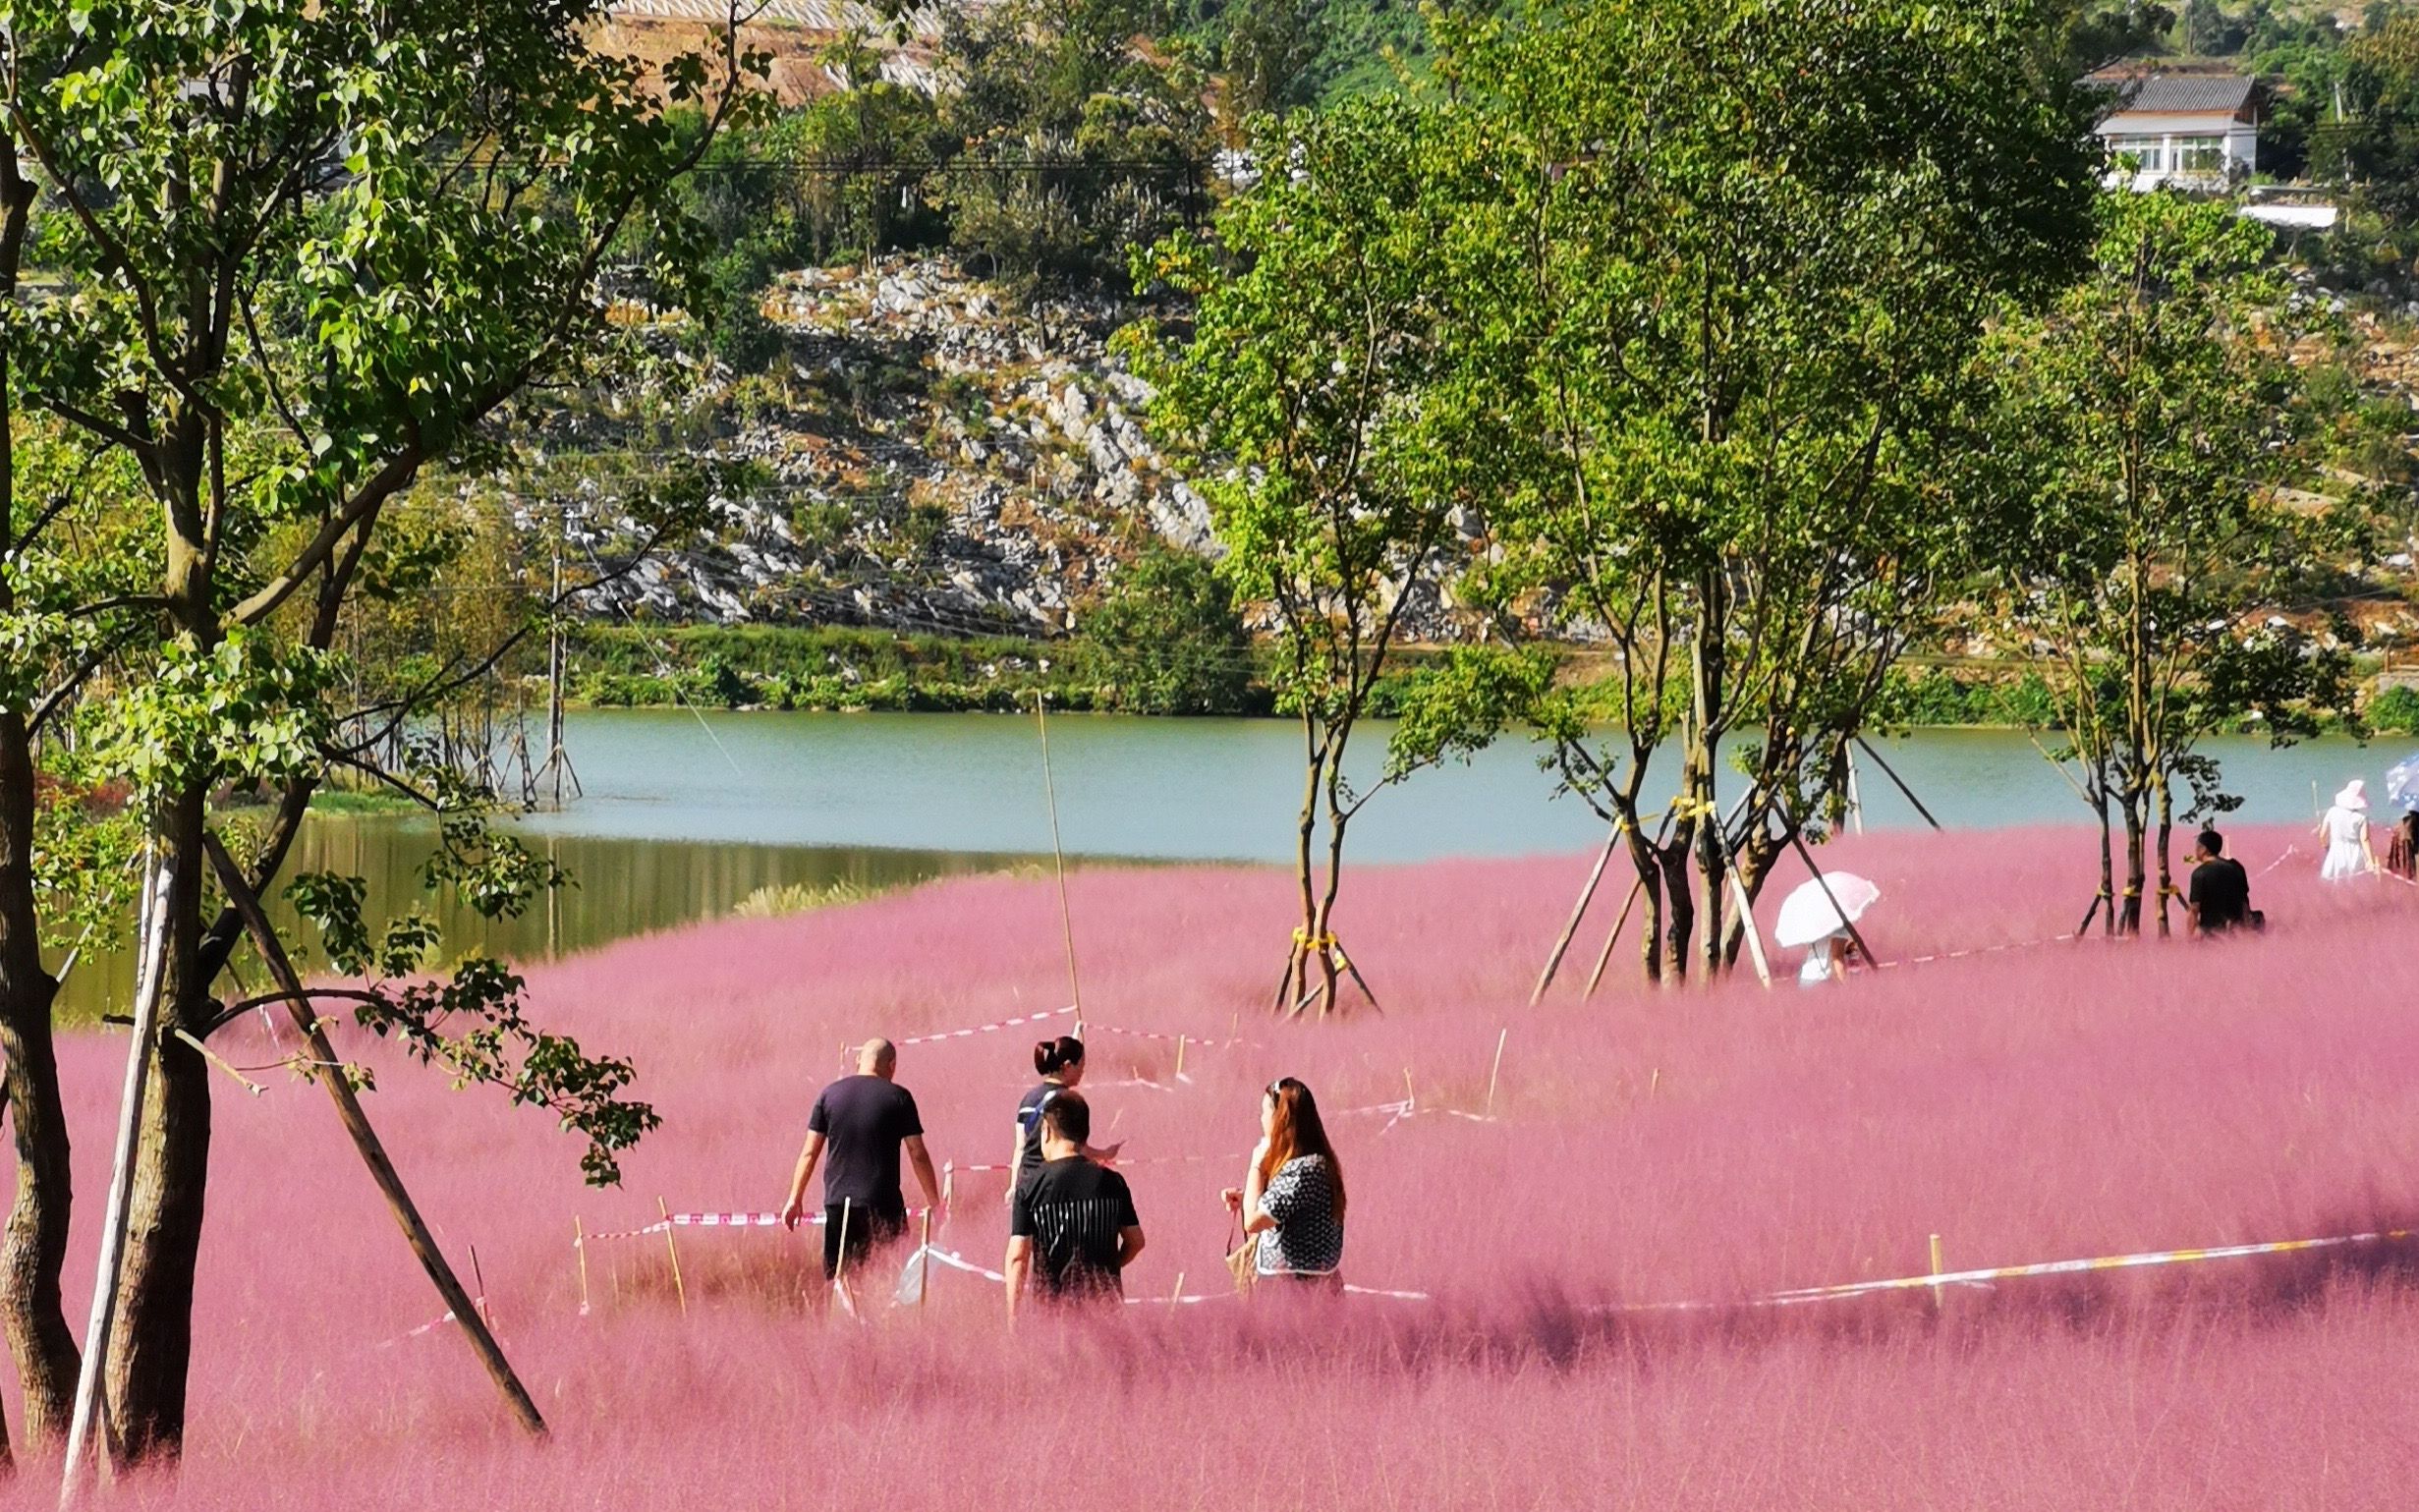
<point>1060,1064</point>
<point>1292,1197</point>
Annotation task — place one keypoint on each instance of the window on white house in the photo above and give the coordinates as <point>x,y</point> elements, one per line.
<point>2200,154</point>
<point>2148,152</point>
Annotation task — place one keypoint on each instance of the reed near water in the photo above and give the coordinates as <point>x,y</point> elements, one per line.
<point>2057,1100</point>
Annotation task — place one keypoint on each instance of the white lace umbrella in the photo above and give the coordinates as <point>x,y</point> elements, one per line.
<point>1807,915</point>
<point>2402,782</point>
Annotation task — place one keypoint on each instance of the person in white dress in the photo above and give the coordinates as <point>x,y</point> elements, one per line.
<point>1827,960</point>
<point>2346,828</point>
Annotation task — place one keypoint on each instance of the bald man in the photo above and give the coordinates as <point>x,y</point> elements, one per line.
<point>862,1120</point>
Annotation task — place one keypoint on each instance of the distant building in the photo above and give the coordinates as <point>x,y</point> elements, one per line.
<point>2182,130</point>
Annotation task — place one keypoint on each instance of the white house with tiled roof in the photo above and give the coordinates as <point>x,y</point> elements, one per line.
<point>2181,130</point>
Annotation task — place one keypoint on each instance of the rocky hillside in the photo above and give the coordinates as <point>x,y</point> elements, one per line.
<point>939,458</point>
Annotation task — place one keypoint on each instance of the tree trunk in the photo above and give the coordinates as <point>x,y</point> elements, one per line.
<point>2108,870</point>
<point>36,1248</point>
<point>1305,837</point>
<point>2130,921</point>
<point>1679,908</point>
<point>2166,868</point>
<point>151,1347</point>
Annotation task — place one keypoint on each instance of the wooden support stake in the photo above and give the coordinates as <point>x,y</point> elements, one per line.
<point>1180,1057</point>
<point>1176,1297</point>
<point>87,1413</point>
<point>579,1247</point>
<point>1747,923</point>
<point>1807,856</point>
<point>1936,1271</point>
<point>1603,957</point>
<point>1655,1083</point>
<point>948,1184</point>
<point>349,1114</point>
<point>1497,1070</point>
<point>1409,1099</point>
<point>1900,782</point>
<point>1285,978</point>
<point>680,1287</point>
<point>1579,911</point>
<point>1856,799</point>
<point>1344,960</point>
<point>924,1262</point>
<point>487,1312</point>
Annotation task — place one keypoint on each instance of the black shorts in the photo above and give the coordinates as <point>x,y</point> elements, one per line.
<point>877,1224</point>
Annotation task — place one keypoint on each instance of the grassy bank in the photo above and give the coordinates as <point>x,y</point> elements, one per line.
<point>844,669</point>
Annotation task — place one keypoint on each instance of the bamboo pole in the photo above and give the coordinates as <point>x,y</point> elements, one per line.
<point>365,1139</point>
<point>579,1247</point>
<point>1747,923</point>
<point>1176,1297</point>
<point>1495,1070</point>
<point>680,1287</point>
<point>1937,1270</point>
<point>1579,911</point>
<point>1180,1057</point>
<point>149,973</point>
<point>1066,918</point>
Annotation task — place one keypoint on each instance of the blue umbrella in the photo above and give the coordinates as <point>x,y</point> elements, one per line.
<point>2402,782</point>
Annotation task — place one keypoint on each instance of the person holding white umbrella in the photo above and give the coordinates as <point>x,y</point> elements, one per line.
<point>2402,849</point>
<point>1817,916</point>
<point>2346,828</point>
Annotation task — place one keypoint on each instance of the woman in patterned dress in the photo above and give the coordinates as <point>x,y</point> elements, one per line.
<point>1293,1194</point>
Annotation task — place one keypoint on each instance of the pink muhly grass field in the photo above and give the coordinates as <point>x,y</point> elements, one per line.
<point>2054,1101</point>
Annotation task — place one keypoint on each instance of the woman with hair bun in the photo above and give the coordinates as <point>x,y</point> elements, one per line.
<point>1060,1063</point>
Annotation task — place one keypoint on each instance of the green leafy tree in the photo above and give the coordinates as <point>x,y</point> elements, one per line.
<point>1326,417</point>
<point>1272,53</point>
<point>2148,414</point>
<point>1170,640</point>
<point>2375,150</point>
<point>1081,140</point>
<point>298,254</point>
<point>1737,261</point>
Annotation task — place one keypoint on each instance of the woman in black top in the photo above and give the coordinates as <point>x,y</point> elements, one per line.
<point>1060,1063</point>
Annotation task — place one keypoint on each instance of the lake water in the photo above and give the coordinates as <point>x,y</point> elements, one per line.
<point>684,816</point>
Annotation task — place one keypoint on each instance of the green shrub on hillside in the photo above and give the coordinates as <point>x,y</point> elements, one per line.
<point>1167,639</point>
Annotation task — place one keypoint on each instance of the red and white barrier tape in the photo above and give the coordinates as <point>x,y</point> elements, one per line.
<point>430,1327</point>
<point>1198,1041</point>
<point>1978,950</point>
<point>986,1028</point>
<point>1120,1163</point>
<point>1987,1275</point>
<point>724,1220</point>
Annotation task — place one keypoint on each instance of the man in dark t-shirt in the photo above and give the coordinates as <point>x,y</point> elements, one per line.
<point>1072,1227</point>
<point>2218,899</point>
<point>862,1122</point>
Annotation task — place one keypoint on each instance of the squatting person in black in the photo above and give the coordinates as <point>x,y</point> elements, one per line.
<point>2218,899</point>
<point>863,1121</point>
<point>1072,1227</point>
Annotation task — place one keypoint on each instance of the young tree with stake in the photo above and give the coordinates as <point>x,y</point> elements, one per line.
<point>297,255</point>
